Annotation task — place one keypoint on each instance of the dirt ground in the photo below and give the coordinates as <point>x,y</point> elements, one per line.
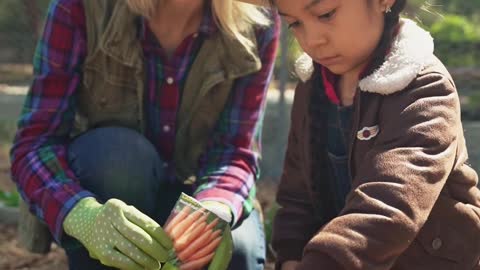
<point>12,256</point>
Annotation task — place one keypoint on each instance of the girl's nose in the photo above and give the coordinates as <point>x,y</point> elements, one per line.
<point>314,38</point>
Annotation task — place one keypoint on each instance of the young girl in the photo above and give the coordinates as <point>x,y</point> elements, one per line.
<point>140,100</point>
<point>376,173</point>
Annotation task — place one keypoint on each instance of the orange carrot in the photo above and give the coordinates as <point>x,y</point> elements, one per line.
<point>181,227</point>
<point>202,219</point>
<point>189,236</point>
<point>211,225</point>
<point>176,219</point>
<point>197,244</point>
<point>214,235</point>
<point>197,264</point>
<point>206,250</point>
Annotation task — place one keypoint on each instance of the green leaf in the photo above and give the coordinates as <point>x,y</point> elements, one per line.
<point>10,199</point>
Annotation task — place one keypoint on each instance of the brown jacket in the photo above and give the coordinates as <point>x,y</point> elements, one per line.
<point>414,203</point>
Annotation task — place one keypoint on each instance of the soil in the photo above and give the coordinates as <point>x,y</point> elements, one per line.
<point>14,257</point>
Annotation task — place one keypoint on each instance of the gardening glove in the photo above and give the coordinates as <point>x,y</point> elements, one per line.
<point>118,234</point>
<point>169,266</point>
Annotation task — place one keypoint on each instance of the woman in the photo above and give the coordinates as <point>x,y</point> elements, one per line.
<point>141,100</point>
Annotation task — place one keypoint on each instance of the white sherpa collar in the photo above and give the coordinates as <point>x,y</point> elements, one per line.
<point>412,50</point>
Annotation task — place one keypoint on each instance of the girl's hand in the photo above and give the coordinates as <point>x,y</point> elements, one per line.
<point>289,265</point>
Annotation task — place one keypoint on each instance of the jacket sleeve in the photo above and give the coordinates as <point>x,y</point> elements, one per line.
<point>398,183</point>
<point>294,224</point>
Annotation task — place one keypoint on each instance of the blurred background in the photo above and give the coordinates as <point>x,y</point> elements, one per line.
<point>454,25</point>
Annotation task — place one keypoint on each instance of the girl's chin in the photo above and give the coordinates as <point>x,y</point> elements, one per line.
<point>341,69</point>
<point>337,69</point>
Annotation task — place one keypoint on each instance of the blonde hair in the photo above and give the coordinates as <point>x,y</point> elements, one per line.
<point>233,17</point>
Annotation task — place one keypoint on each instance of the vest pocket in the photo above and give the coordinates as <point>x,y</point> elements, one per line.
<point>109,91</point>
<point>109,98</point>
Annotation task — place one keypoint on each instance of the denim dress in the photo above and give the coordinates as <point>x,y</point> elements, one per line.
<point>339,132</point>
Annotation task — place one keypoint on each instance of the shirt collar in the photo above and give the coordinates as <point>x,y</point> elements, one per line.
<point>330,81</point>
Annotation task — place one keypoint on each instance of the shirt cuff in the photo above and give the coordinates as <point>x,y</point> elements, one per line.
<point>232,200</point>
<point>74,193</point>
<point>222,210</point>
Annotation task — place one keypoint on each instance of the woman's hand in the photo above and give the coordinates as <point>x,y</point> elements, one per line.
<point>118,234</point>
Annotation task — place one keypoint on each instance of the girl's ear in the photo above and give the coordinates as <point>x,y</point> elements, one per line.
<point>382,6</point>
<point>386,5</point>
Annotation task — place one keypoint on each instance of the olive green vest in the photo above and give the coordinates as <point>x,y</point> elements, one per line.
<point>113,83</point>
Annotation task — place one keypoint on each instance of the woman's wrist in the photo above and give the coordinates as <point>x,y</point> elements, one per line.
<point>222,210</point>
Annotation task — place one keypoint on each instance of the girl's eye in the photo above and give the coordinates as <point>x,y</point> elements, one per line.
<point>327,16</point>
<point>293,24</point>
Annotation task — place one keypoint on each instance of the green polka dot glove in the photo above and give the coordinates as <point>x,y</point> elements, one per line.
<point>118,234</point>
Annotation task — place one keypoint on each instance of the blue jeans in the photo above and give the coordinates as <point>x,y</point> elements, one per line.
<point>120,163</point>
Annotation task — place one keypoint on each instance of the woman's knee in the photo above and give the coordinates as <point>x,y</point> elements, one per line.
<point>116,162</point>
<point>249,244</point>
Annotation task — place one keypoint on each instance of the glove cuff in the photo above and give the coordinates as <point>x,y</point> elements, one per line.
<point>84,209</point>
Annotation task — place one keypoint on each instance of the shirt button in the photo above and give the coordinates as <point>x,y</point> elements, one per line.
<point>437,243</point>
<point>166,128</point>
<point>170,80</point>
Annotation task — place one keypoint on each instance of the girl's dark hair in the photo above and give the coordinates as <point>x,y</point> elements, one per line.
<point>391,22</point>
<point>322,176</point>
